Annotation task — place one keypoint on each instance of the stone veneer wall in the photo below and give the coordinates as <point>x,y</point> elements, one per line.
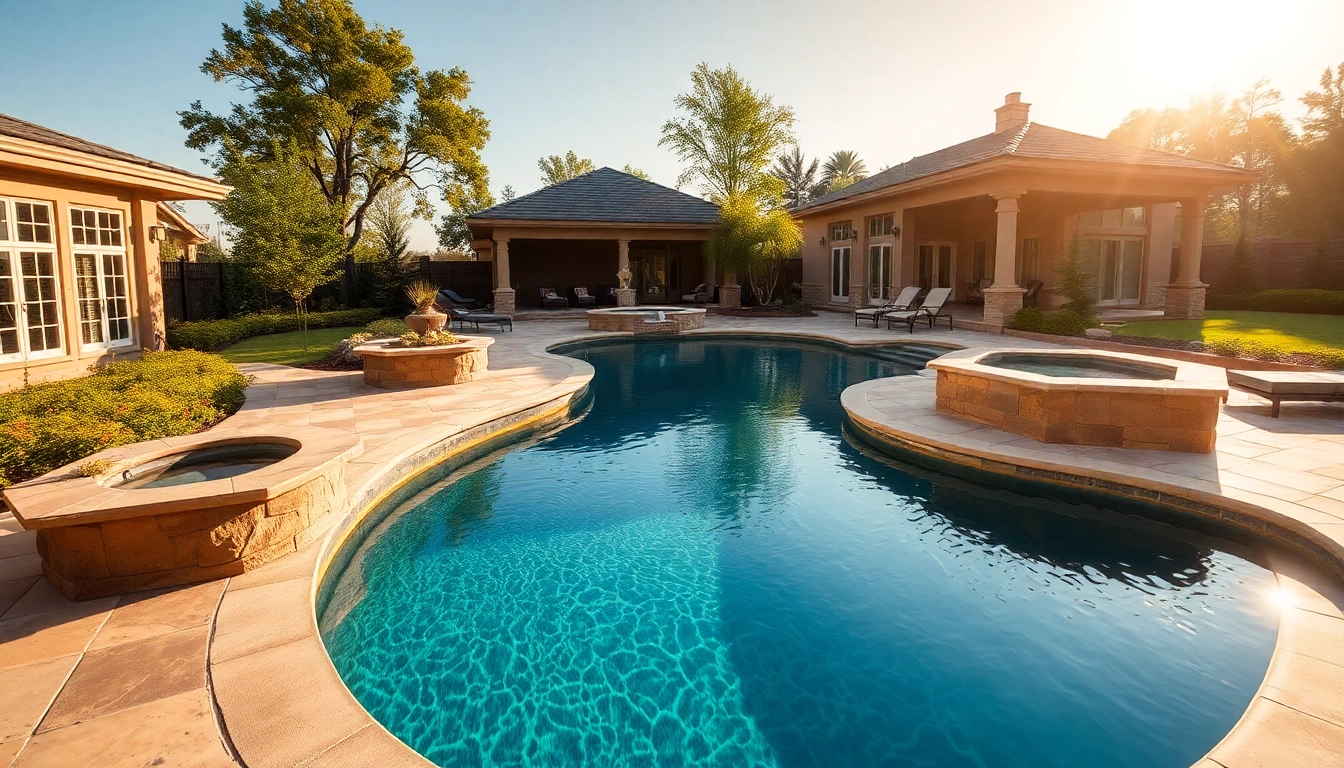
<point>1115,419</point>
<point>426,367</point>
<point>629,322</point>
<point>1184,301</point>
<point>815,294</point>
<point>169,549</point>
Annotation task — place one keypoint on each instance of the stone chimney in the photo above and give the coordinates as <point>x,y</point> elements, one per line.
<point>1012,115</point>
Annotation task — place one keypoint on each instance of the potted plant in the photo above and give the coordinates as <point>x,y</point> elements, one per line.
<point>426,318</point>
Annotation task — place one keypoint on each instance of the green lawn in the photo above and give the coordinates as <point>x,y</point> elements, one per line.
<point>287,348</point>
<point>1290,332</point>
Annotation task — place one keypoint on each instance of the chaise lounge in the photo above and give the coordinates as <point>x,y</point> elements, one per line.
<point>699,295</point>
<point>931,310</point>
<point>477,317</point>
<point>903,301</point>
<point>549,298</point>
<point>583,299</point>
<point>1277,386</point>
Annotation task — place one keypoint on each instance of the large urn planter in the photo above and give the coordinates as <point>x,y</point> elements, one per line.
<point>427,322</point>
<point>390,364</point>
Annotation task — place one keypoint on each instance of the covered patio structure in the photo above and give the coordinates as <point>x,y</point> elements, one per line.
<point>992,219</point>
<point>581,233</point>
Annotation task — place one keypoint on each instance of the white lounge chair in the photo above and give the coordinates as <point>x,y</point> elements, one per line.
<point>902,301</point>
<point>700,294</point>
<point>931,309</point>
<point>1277,386</point>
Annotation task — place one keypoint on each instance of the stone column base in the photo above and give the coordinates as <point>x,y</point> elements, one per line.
<point>1001,304</point>
<point>858,296</point>
<point>1156,296</point>
<point>730,296</point>
<point>625,297</point>
<point>504,301</point>
<point>815,294</point>
<point>1185,301</point>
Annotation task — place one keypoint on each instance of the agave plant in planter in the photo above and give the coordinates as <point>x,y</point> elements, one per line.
<point>426,318</point>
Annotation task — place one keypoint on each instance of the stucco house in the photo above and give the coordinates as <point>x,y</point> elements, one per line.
<point>997,212</point>
<point>79,251</point>
<point>582,232</point>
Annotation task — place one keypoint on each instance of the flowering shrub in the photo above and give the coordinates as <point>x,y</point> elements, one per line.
<point>45,426</point>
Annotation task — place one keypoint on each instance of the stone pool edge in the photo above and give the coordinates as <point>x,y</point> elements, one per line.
<point>1295,717</point>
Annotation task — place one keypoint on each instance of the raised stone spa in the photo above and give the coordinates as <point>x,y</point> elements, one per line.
<point>183,509</point>
<point>1085,397</point>
<point>388,364</point>
<point>646,319</point>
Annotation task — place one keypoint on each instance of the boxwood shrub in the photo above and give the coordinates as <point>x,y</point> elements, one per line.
<point>1311,301</point>
<point>213,334</point>
<point>1057,322</point>
<point>45,426</point>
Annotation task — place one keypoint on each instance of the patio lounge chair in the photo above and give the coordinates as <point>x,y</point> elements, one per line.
<point>1277,386</point>
<point>903,300</point>
<point>606,294</point>
<point>975,292</point>
<point>549,298</point>
<point>699,295</point>
<point>476,318</point>
<point>931,310</point>
<point>1029,297</point>
<point>447,300</point>
<point>582,299</point>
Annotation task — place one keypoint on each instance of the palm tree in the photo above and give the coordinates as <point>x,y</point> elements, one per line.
<point>798,175</point>
<point>842,169</point>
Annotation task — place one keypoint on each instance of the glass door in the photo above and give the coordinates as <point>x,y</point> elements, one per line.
<point>935,265</point>
<point>1120,261</point>
<point>879,273</point>
<point>840,274</point>
<point>650,275</point>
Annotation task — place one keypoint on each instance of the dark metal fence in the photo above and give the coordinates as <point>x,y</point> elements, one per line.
<point>210,290</point>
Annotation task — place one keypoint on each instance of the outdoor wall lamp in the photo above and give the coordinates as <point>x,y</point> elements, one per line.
<point>895,231</point>
<point>822,242</point>
<point>158,234</point>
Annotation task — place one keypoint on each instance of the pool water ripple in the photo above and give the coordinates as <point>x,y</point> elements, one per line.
<point>702,571</point>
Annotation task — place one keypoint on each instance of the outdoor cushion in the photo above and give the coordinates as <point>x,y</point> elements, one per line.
<point>1289,382</point>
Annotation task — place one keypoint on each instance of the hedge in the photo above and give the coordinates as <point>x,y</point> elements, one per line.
<point>45,426</point>
<point>1311,301</point>
<point>213,334</point>
<point>1057,322</point>
<point>1321,357</point>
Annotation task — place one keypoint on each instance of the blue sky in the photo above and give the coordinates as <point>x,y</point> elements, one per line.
<point>888,79</point>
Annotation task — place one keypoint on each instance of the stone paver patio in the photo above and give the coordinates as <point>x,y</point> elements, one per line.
<point>232,672</point>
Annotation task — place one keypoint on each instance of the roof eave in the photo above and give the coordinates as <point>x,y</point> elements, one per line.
<point>583,223</point>
<point>1214,176</point>
<point>45,158</point>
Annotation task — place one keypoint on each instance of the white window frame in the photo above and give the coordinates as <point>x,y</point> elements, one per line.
<point>99,251</point>
<point>842,261</point>
<point>14,248</point>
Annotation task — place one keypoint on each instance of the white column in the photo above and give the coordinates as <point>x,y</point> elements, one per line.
<point>1004,297</point>
<point>1005,246</point>
<point>1192,242</point>
<point>505,301</point>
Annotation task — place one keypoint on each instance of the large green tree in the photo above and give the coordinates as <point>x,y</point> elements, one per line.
<point>388,235</point>
<point>1316,174</point>
<point>283,229</point>
<point>727,134</point>
<point>349,100</point>
<point>557,168</point>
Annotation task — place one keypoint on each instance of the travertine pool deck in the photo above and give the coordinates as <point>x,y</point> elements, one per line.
<point>233,672</point>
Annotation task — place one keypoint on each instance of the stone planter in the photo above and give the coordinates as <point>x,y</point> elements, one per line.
<point>422,324</point>
<point>99,536</point>
<point>390,365</point>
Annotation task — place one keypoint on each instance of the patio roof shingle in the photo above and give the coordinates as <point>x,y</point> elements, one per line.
<point>605,195</point>
<point>22,129</point>
<point>1032,140</point>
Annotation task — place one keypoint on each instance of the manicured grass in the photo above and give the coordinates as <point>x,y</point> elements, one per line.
<point>287,348</point>
<point>1290,332</point>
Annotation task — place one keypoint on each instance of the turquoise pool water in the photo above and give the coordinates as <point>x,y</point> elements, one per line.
<point>702,572</point>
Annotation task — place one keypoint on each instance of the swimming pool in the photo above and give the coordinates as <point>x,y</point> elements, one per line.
<point>702,571</point>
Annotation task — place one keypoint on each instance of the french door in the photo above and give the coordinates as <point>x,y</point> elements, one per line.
<point>840,274</point>
<point>1119,268</point>
<point>935,265</point>
<point>879,273</point>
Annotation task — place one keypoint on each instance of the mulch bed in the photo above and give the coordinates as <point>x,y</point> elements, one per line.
<point>765,312</point>
<point>331,363</point>
<point>1150,341</point>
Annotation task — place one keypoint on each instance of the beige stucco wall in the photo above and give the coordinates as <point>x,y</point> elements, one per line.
<point>145,288</point>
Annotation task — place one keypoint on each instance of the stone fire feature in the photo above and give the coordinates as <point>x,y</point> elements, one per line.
<point>675,319</point>
<point>96,539</point>
<point>1168,415</point>
<point>389,365</point>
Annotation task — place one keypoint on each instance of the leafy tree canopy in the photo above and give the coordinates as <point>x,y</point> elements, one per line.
<point>636,172</point>
<point>348,100</point>
<point>727,134</point>
<point>555,169</point>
